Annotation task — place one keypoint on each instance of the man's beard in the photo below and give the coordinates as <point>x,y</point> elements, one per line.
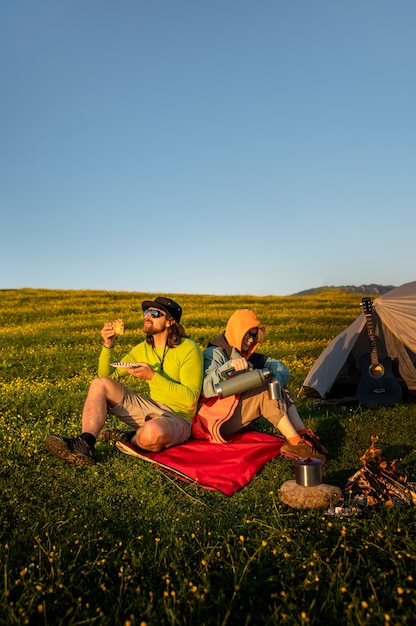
<point>149,329</point>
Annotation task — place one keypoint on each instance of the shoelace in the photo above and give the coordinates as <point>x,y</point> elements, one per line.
<point>316,441</point>
<point>310,433</point>
<point>308,444</point>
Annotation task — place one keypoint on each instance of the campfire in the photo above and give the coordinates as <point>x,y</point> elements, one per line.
<point>379,482</point>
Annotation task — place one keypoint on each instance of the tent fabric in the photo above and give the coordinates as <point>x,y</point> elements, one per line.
<point>335,373</point>
<point>323,373</point>
<point>397,310</point>
<point>215,466</point>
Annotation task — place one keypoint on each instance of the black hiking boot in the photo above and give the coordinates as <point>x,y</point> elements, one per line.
<point>74,450</point>
<point>110,435</point>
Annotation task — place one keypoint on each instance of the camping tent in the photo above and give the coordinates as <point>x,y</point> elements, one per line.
<point>336,374</point>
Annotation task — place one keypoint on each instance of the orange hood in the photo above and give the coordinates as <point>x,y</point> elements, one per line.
<point>239,323</point>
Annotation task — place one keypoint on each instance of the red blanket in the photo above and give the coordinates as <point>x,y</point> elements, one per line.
<point>225,467</point>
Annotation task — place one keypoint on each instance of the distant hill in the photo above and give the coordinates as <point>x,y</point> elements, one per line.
<point>376,290</point>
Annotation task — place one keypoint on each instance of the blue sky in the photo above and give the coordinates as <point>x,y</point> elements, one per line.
<point>221,147</point>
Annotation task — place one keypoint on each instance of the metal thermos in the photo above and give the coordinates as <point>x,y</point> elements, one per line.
<point>241,382</point>
<point>308,472</point>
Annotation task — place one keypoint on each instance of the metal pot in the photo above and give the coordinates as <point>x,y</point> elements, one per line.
<point>308,472</point>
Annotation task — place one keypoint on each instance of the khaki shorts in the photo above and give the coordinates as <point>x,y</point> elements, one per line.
<point>135,410</point>
<point>252,404</point>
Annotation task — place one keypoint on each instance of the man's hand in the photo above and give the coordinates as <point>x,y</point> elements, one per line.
<point>239,364</point>
<point>108,335</point>
<point>141,370</point>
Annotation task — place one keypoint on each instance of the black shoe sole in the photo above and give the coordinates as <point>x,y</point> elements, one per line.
<point>58,448</point>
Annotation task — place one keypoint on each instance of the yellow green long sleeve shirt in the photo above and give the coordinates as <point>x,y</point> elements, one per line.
<point>179,386</point>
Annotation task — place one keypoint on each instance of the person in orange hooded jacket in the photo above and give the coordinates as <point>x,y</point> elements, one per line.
<point>234,350</point>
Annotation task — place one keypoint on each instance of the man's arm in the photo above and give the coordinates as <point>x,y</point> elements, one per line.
<point>278,370</point>
<point>216,364</point>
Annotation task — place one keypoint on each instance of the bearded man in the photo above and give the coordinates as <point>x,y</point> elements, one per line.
<point>172,365</point>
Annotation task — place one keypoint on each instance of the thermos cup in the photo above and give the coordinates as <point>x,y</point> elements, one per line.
<point>241,382</point>
<point>274,390</point>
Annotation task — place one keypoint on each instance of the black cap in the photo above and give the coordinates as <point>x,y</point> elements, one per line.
<point>164,304</point>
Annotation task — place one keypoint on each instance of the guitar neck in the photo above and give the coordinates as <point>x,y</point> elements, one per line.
<point>372,340</point>
<point>368,311</point>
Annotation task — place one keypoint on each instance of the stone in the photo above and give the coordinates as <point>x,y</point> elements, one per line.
<point>317,497</point>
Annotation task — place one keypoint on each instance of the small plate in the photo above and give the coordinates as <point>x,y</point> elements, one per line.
<point>125,365</point>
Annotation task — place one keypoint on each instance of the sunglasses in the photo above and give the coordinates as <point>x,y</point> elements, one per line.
<point>154,313</point>
<point>251,335</point>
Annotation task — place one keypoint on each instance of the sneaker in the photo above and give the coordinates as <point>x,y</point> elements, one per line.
<point>74,450</point>
<point>315,441</point>
<point>108,435</point>
<point>303,449</point>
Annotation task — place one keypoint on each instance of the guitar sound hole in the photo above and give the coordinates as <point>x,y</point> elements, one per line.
<point>376,371</point>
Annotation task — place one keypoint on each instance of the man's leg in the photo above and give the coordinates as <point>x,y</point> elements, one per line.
<point>282,413</point>
<point>102,394</point>
<point>295,419</point>
<point>155,426</point>
<point>275,411</point>
<point>154,435</point>
<point>254,404</point>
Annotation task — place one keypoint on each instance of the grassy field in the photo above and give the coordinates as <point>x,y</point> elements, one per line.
<point>123,543</point>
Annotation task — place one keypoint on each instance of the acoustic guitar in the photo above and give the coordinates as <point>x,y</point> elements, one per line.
<point>377,386</point>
